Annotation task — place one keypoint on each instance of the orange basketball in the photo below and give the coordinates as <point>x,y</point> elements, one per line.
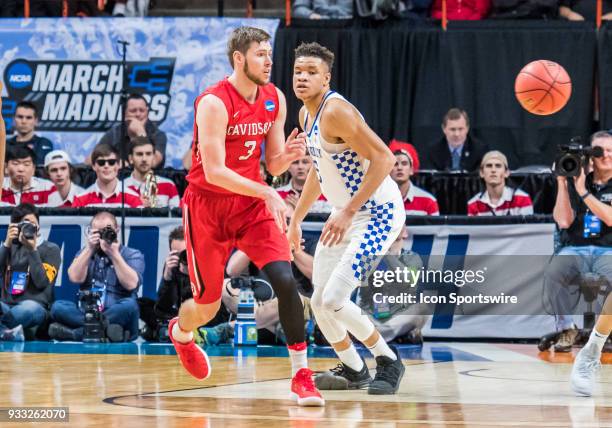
<point>543,87</point>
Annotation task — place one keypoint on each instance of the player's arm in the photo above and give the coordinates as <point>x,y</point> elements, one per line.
<point>280,154</point>
<point>2,140</point>
<point>310,193</point>
<point>342,121</point>
<point>212,124</point>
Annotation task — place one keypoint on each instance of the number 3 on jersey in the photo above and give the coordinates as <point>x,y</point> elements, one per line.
<point>250,145</point>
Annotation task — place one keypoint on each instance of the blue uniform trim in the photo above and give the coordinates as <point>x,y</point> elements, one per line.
<point>371,246</point>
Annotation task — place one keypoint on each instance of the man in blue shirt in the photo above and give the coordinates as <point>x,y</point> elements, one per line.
<point>25,122</point>
<point>113,270</point>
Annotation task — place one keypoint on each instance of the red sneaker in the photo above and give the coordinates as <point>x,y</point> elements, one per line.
<point>192,357</point>
<point>303,389</point>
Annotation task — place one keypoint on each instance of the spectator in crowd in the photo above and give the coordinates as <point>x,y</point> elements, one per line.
<point>138,125</point>
<point>398,321</point>
<point>141,158</point>
<point>115,271</point>
<point>414,9</point>
<point>20,185</point>
<point>323,9</point>
<point>106,191</point>
<point>462,10</point>
<point>29,266</point>
<point>173,290</point>
<point>583,214</point>
<point>291,191</point>
<point>416,200</point>
<point>457,150</point>
<point>131,8</point>
<point>581,10</point>
<point>59,169</point>
<point>497,198</point>
<point>24,123</point>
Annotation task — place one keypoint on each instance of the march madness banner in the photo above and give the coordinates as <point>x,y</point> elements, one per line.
<point>71,69</point>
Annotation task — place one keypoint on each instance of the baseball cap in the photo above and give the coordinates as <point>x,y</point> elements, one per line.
<point>397,146</point>
<point>56,156</point>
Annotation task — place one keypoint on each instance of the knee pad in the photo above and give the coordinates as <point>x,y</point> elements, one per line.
<point>337,293</point>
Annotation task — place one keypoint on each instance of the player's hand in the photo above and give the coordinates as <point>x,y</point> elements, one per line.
<point>336,226</point>
<point>294,236</point>
<point>277,208</point>
<point>295,146</point>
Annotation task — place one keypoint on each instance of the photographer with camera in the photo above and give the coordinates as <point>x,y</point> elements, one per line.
<point>109,275</point>
<point>173,290</point>
<point>584,216</point>
<point>29,266</point>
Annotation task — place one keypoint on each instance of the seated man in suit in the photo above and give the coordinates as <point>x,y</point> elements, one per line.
<point>457,150</point>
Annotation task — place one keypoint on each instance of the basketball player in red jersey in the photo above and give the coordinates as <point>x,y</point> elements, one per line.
<point>227,205</point>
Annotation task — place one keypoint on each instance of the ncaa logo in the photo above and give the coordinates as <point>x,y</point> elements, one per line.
<point>269,105</point>
<point>20,75</point>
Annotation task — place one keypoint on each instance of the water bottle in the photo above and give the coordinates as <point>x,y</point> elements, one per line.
<point>245,331</point>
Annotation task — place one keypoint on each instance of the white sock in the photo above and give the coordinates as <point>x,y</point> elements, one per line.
<point>180,335</point>
<point>299,360</point>
<point>598,339</point>
<point>351,358</point>
<point>381,348</point>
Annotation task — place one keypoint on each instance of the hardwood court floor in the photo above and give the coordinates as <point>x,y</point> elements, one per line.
<point>450,384</point>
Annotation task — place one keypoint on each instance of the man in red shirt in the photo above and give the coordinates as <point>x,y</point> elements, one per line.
<point>142,158</point>
<point>497,198</point>
<point>106,191</point>
<point>416,200</point>
<point>20,185</point>
<point>227,205</point>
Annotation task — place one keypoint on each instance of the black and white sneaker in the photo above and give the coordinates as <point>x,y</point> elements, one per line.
<point>343,377</point>
<point>389,374</point>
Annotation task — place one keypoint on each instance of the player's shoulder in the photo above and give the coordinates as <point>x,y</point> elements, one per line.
<point>338,109</point>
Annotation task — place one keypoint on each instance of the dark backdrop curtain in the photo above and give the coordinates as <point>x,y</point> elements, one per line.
<point>404,78</point>
<point>605,75</point>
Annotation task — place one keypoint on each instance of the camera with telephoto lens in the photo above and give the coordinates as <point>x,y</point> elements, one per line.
<point>28,229</point>
<point>574,156</point>
<point>108,234</point>
<point>93,330</point>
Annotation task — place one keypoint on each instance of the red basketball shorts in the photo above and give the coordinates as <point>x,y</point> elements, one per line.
<point>216,224</point>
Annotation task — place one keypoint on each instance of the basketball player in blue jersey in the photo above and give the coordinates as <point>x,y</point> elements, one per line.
<point>351,169</point>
